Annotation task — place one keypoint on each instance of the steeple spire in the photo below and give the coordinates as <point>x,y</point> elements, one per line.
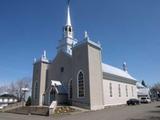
<point>68,32</point>
<point>67,42</point>
<point>68,22</point>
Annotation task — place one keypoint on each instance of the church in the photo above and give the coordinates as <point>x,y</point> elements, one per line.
<point>77,76</point>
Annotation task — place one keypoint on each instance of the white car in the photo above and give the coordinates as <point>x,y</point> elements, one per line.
<point>145,100</point>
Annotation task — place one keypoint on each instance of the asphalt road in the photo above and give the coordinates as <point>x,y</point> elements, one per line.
<point>138,112</point>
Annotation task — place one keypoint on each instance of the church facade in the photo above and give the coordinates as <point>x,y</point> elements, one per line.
<point>77,75</point>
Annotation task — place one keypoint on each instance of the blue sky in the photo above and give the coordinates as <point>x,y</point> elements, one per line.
<point>129,30</point>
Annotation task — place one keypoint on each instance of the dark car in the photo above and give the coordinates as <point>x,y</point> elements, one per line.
<point>133,102</point>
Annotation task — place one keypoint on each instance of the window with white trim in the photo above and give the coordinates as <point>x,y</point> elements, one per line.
<point>110,89</point>
<point>81,86</point>
<point>126,91</point>
<point>132,91</point>
<point>119,90</point>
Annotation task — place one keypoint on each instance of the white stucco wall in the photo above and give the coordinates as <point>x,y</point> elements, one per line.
<point>5,100</point>
<point>115,99</point>
<point>10,100</point>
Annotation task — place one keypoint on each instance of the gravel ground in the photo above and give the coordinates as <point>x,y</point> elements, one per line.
<point>138,112</point>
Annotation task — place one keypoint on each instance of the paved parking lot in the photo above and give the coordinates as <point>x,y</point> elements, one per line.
<point>138,112</point>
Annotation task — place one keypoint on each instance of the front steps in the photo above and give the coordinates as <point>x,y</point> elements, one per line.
<point>52,107</point>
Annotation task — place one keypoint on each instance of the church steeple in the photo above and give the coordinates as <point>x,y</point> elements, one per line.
<point>68,32</point>
<point>67,41</point>
<point>68,22</point>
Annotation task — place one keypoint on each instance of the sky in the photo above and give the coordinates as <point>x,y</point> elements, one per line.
<point>128,30</point>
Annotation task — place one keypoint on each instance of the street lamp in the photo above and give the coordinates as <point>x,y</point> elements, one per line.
<point>24,90</point>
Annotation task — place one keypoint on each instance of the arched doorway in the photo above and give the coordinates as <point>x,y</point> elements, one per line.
<point>52,95</point>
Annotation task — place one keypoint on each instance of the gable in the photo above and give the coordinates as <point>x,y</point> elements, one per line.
<point>60,68</point>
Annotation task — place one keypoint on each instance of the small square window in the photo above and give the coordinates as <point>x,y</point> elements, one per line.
<point>62,69</point>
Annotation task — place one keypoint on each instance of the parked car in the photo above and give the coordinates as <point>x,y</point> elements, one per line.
<point>145,100</point>
<point>133,102</point>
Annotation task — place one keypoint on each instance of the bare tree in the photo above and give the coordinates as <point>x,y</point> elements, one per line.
<point>15,87</point>
<point>22,83</point>
<point>157,87</point>
<point>11,88</point>
<point>155,91</point>
<point>3,89</point>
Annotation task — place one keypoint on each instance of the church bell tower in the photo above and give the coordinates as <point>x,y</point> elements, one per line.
<point>67,41</point>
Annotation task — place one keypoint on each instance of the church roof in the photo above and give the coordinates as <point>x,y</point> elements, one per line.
<point>7,96</point>
<point>116,71</point>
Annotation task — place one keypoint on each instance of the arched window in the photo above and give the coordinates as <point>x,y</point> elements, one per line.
<point>36,90</point>
<point>81,86</point>
<point>110,88</point>
<point>70,29</point>
<point>119,90</point>
<point>70,89</point>
<point>126,91</point>
<point>66,29</point>
<point>132,91</point>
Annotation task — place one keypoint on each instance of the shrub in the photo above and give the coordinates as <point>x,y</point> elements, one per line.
<point>28,103</point>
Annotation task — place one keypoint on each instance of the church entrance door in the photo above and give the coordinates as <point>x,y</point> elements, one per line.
<point>52,95</point>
